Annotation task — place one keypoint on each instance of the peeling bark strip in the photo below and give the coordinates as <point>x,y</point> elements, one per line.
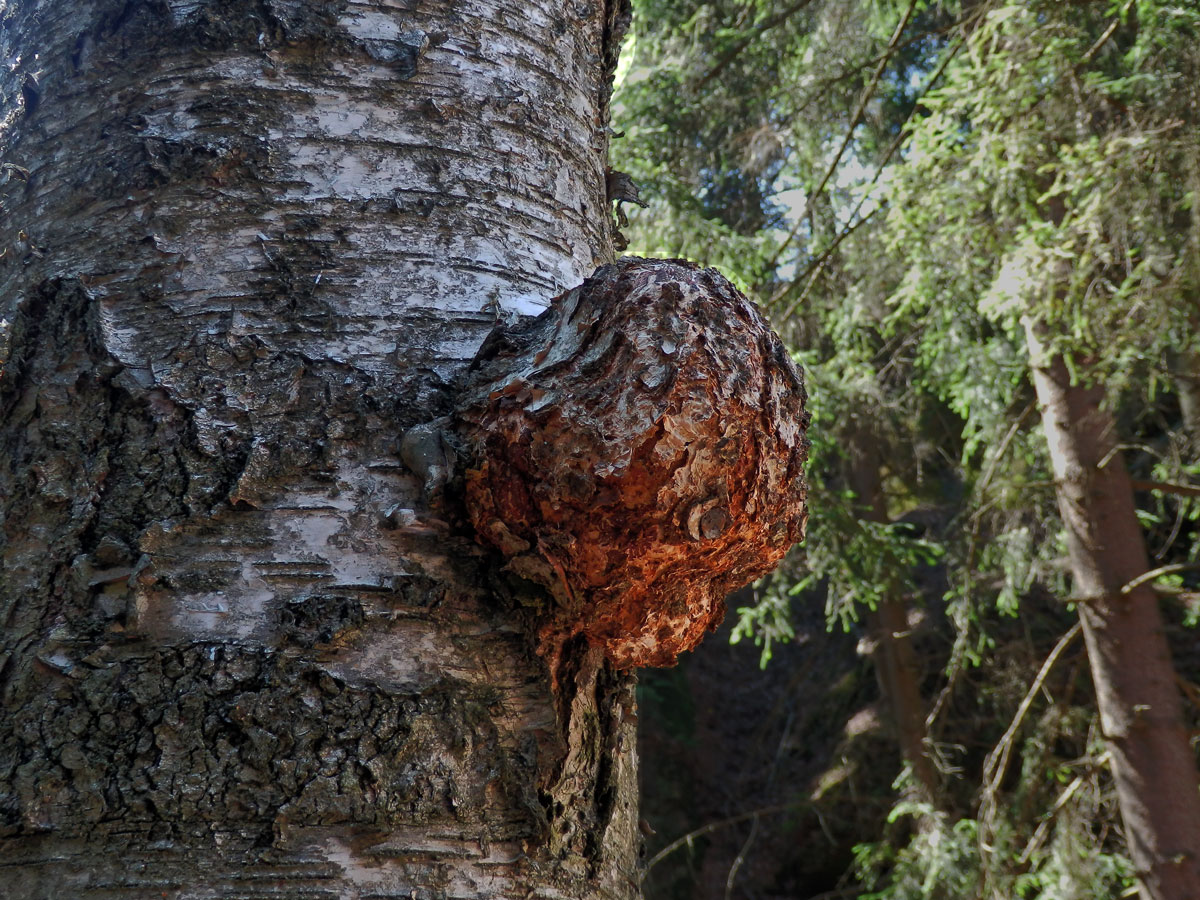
<point>638,450</point>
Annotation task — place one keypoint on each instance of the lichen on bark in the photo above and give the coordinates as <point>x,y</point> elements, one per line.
<point>638,451</point>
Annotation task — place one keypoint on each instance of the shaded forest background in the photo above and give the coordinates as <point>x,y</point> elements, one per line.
<point>925,196</point>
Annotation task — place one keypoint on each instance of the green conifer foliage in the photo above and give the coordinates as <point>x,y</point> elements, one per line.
<point>905,184</point>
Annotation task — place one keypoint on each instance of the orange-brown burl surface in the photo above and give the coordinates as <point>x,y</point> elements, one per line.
<point>638,449</point>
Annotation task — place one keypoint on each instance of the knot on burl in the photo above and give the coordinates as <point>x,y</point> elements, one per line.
<point>638,450</point>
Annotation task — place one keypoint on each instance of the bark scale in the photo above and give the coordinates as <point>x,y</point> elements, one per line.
<point>247,244</point>
<point>1140,712</point>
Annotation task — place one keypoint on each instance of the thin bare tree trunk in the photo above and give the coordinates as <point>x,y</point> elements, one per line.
<point>1153,763</point>
<point>896,665</point>
<point>1186,374</point>
<point>247,244</point>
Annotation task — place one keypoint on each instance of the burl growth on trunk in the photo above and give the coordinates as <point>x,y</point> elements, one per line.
<point>638,450</point>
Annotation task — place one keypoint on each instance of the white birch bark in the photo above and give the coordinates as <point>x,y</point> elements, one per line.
<point>247,244</point>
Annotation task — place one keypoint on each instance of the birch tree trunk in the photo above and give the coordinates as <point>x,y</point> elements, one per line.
<point>247,244</point>
<point>1152,759</point>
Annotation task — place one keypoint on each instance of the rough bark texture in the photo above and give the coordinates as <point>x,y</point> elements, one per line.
<point>638,450</point>
<point>247,244</point>
<point>1140,712</point>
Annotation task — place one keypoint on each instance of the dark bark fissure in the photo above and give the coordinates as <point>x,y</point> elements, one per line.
<point>80,487</point>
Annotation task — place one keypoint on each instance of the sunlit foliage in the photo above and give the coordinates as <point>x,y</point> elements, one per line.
<point>903,184</point>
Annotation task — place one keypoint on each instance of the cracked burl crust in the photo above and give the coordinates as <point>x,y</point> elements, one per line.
<point>638,450</point>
